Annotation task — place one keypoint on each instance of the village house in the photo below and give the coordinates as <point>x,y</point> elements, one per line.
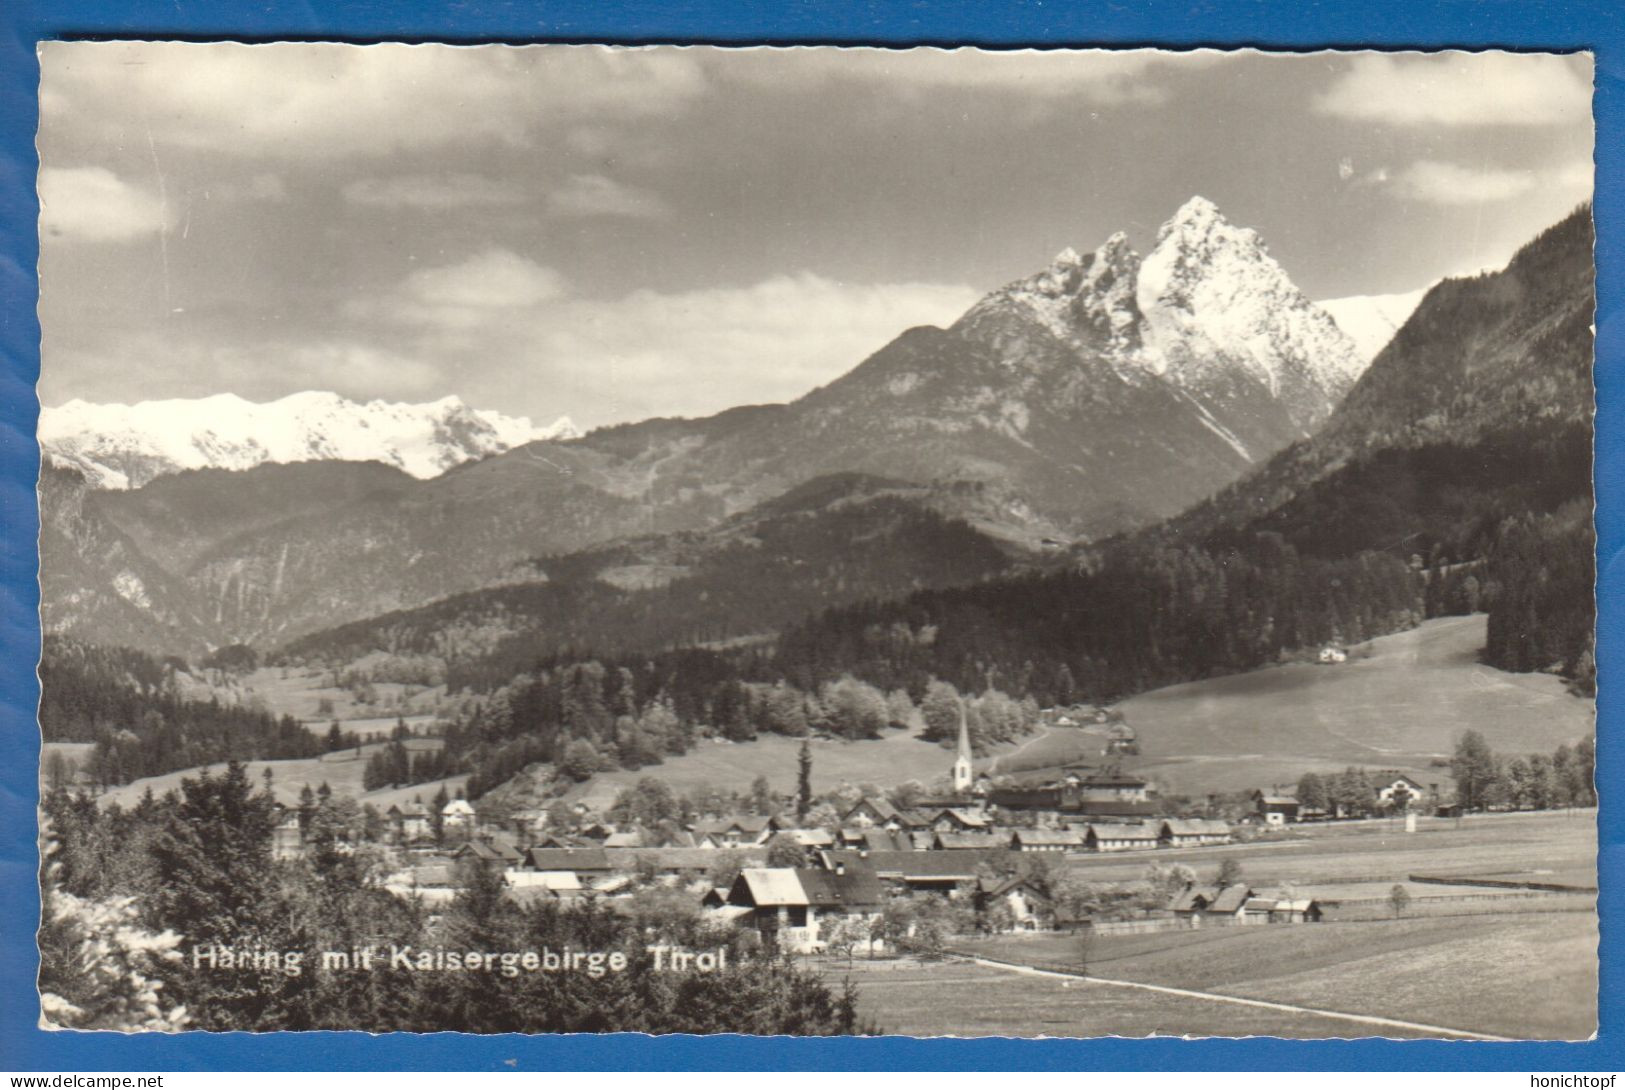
<point>1030,909</point>
<point>960,820</point>
<point>409,822</point>
<point>878,813</point>
<point>457,816</point>
<point>1191,832</point>
<point>923,872</point>
<point>1300,910</point>
<point>530,886</point>
<point>584,863</point>
<point>1046,840</point>
<point>1210,904</point>
<point>959,842</point>
<point>1113,787</point>
<point>867,812</point>
<point>741,832</point>
<point>1275,809</point>
<point>1397,789</point>
<point>792,908</point>
<point>494,848</point>
<point>287,838</point>
<point>1105,837</point>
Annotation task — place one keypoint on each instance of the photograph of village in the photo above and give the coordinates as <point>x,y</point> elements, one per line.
<point>824,541</point>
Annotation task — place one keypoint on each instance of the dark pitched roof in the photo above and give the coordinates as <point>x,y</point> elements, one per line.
<point>576,859</point>
<point>858,887</point>
<point>1047,837</point>
<point>676,859</point>
<point>882,809</point>
<point>930,866</point>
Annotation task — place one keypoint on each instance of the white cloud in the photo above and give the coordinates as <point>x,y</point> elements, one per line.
<point>702,351</point>
<point>1462,89</point>
<point>1448,183</point>
<point>331,100</point>
<point>498,315</point>
<point>93,204</point>
<point>596,195</point>
<point>435,192</point>
<point>471,294</point>
<point>1097,76</point>
<point>1433,181</point>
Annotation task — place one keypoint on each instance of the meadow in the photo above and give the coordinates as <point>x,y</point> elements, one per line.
<point>1400,701</point>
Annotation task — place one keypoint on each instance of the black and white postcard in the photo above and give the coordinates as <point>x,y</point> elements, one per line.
<point>817,541</point>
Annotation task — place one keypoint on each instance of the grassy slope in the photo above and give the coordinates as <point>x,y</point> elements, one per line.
<point>342,771</point>
<point>1507,974</point>
<point>1399,701</point>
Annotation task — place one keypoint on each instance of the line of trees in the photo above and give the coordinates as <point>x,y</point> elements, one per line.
<point>1537,781</point>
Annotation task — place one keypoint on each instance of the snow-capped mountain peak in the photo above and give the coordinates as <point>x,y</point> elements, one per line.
<point>1208,310</point>
<point>125,446</point>
<point>1372,320</point>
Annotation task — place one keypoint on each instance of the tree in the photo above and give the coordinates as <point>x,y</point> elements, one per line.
<point>1229,872</point>
<point>785,851</point>
<point>647,803</point>
<point>1473,766</point>
<point>843,934</point>
<point>762,799</point>
<point>1312,793</point>
<point>1399,897</point>
<point>725,868</point>
<point>580,760</point>
<point>804,779</point>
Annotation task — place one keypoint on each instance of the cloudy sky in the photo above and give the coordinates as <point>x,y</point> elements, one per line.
<point>618,234</point>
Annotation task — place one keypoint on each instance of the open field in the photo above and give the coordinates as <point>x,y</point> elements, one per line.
<point>341,770</point>
<point>1511,975</point>
<point>967,1000</point>
<point>1559,841</point>
<point>1051,748</point>
<point>300,692</point>
<point>893,759</point>
<point>1398,702</point>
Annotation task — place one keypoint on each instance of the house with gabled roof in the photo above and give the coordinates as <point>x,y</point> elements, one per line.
<point>792,907</point>
<point>578,861</point>
<point>869,812</point>
<point>1275,809</point>
<point>1199,903</point>
<point>740,832</point>
<point>1191,832</point>
<point>409,822</point>
<point>1046,840</point>
<point>1031,909</point>
<point>458,814</point>
<point>495,848</point>
<point>955,819</point>
<point>924,872</point>
<point>960,842</point>
<point>1112,837</point>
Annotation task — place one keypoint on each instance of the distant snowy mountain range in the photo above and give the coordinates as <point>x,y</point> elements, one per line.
<point>1372,320</point>
<point>125,446</point>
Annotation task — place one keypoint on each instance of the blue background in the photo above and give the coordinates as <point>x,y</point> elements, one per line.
<point>1280,24</point>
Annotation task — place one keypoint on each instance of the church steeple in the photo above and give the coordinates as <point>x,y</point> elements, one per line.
<point>963,776</point>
